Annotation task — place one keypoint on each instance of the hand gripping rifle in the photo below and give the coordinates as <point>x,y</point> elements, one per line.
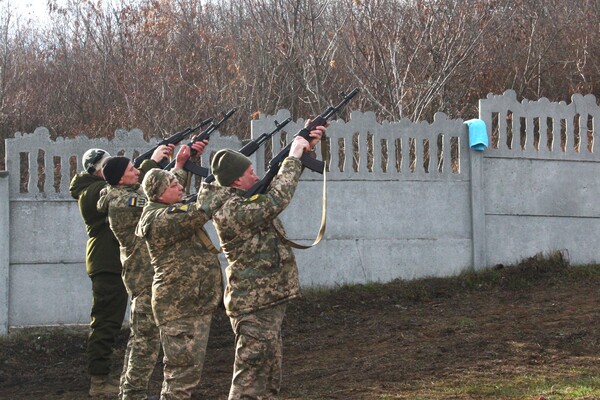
<point>173,139</point>
<point>251,147</point>
<point>261,186</point>
<point>204,135</point>
<point>248,149</point>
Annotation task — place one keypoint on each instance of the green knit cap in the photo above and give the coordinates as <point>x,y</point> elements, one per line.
<point>228,165</point>
<point>156,181</point>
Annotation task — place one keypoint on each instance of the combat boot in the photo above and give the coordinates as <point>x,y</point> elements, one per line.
<point>101,386</point>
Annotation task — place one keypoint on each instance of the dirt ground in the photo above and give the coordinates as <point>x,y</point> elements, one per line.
<point>492,335</point>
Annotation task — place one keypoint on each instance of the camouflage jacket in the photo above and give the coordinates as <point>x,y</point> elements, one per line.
<point>102,249</point>
<point>262,270</point>
<point>187,277</point>
<point>124,205</point>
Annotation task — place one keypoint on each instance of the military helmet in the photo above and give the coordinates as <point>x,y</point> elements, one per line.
<point>92,160</point>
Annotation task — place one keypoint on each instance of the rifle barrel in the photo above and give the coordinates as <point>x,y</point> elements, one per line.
<point>173,139</point>
<point>250,148</point>
<point>275,163</point>
<point>204,135</point>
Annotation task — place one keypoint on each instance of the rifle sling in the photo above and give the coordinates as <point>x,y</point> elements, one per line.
<point>206,242</point>
<point>163,163</point>
<point>323,211</point>
<point>188,184</point>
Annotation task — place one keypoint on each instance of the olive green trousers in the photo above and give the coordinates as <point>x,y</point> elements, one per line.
<point>109,304</point>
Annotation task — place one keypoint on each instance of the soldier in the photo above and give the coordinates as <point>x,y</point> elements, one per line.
<point>123,202</point>
<point>109,297</point>
<point>187,286</point>
<point>262,275</point>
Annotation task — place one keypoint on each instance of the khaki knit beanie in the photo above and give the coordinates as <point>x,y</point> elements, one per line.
<point>228,165</point>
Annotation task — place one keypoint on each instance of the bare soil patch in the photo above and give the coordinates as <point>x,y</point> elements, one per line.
<point>490,335</point>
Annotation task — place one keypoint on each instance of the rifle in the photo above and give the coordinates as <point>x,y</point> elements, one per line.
<point>173,139</point>
<point>204,135</point>
<point>309,162</point>
<point>248,149</point>
<point>251,147</point>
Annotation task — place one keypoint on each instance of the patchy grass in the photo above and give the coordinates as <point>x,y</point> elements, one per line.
<point>552,269</point>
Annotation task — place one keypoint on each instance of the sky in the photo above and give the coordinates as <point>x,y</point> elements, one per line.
<point>34,9</point>
<point>30,5</point>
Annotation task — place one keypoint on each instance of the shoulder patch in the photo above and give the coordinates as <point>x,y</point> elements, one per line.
<point>136,201</point>
<point>182,208</point>
<point>255,198</point>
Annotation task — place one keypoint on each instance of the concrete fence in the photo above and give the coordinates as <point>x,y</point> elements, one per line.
<point>405,200</point>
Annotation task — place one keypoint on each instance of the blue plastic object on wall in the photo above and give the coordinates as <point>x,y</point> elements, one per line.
<point>478,138</point>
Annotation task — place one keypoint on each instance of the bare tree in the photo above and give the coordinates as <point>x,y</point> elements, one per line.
<point>162,65</point>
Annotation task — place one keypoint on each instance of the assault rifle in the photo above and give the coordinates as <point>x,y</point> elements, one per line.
<point>173,139</point>
<point>204,135</point>
<point>248,149</point>
<point>251,147</point>
<point>309,162</point>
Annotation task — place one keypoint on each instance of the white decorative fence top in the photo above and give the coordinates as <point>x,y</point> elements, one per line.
<point>541,128</point>
<point>361,148</point>
<point>42,168</point>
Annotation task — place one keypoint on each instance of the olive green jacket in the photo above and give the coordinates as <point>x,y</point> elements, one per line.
<point>102,249</point>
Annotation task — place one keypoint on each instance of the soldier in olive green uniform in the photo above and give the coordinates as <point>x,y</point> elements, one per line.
<point>187,286</point>
<point>109,297</point>
<point>123,201</point>
<point>262,275</point>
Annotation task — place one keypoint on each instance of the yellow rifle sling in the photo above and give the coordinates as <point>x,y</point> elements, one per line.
<point>206,242</point>
<point>323,209</point>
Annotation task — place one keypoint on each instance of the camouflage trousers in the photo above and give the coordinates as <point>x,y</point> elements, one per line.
<point>258,354</point>
<point>184,345</point>
<point>142,350</point>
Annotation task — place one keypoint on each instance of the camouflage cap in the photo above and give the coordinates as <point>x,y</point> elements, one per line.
<point>156,181</point>
<point>228,165</point>
<point>93,159</point>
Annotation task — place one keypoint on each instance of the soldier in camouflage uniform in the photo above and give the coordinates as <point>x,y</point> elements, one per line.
<point>262,275</point>
<point>187,286</point>
<point>109,297</point>
<point>123,201</point>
